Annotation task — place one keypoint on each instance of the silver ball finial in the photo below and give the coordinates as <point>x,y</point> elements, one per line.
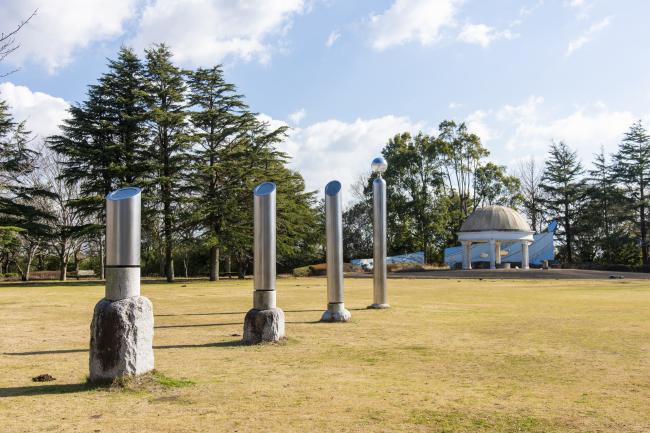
<point>379,165</point>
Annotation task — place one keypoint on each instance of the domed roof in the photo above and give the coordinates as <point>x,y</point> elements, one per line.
<point>495,218</point>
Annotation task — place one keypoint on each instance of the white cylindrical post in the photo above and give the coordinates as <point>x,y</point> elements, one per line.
<point>123,243</point>
<point>524,255</point>
<point>336,311</point>
<point>380,295</point>
<point>467,255</point>
<point>264,322</point>
<point>497,251</point>
<point>492,250</point>
<point>121,332</point>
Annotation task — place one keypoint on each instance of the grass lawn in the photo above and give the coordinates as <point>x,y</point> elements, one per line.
<point>449,356</point>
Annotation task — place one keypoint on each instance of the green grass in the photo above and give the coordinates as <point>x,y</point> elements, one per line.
<point>449,356</point>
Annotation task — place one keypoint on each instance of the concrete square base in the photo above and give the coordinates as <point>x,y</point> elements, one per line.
<point>121,338</point>
<point>262,326</point>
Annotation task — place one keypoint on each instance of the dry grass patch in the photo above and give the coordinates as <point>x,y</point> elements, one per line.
<point>450,356</point>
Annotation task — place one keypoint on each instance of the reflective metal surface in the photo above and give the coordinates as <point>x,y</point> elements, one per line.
<point>379,165</point>
<point>379,241</point>
<point>264,249</point>
<point>334,233</point>
<point>123,227</point>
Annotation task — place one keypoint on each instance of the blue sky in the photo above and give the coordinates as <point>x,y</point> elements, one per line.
<point>346,75</point>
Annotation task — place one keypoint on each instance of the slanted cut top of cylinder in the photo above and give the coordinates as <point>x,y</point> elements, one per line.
<point>123,227</point>
<point>333,187</point>
<point>123,193</point>
<point>265,188</point>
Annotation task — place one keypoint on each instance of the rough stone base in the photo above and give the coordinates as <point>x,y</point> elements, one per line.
<point>336,313</point>
<point>263,326</point>
<point>378,306</point>
<point>121,338</point>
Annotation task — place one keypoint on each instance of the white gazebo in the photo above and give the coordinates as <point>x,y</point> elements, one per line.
<point>493,225</point>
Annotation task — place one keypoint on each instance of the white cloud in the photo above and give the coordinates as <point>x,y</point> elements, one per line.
<point>412,20</point>
<point>333,149</point>
<point>453,105</point>
<point>296,117</point>
<point>577,43</point>
<point>483,35</point>
<point>204,32</point>
<point>527,130</point>
<point>41,112</point>
<point>332,38</point>
<point>61,27</point>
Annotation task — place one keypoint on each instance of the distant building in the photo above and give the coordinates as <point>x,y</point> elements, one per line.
<point>498,234</point>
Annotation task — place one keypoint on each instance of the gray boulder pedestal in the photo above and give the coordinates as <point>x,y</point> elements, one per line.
<point>121,338</point>
<point>336,313</point>
<point>263,326</point>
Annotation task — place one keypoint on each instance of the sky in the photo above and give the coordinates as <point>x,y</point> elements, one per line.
<point>348,75</point>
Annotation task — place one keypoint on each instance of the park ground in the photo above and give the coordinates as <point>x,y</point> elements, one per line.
<point>451,355</point>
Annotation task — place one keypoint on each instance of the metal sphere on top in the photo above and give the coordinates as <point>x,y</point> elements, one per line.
<point>379,165</point>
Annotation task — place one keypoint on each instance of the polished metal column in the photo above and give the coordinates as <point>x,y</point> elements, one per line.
<point>123,243</point>
<point>121,331</point>
<point>380,296</point>
<point>264,322</point>
<point>336,311</point>
<point>264,249</point>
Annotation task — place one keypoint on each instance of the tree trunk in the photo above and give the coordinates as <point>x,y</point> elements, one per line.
<point>28,265</point>
<point>76,264</point>
<point>63,268</point>
<point>567,228</point>
<point>644,234</point>
<point>214,264</point>
<point>185,265</point>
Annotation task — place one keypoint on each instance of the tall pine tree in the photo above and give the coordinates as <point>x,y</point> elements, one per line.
<point>167,153</point>
<point>563,187</point>
<point>632,169</point>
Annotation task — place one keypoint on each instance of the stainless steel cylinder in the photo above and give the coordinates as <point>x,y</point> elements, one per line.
<point>380,297</point>
<point>123,207</point>
<point>334,232</point>
<point>264,249</point>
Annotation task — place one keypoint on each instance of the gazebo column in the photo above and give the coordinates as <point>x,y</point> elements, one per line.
<point>467,255</point>
<point>497,252</point>
<point>492,254</point>
<point>524,255</point>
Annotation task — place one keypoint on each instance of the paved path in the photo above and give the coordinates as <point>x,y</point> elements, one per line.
<point>558,274</point>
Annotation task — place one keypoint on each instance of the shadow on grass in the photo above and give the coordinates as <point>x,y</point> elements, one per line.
<point>173,346</point>
<point>51,283</point>
<point>197,325</point>
<point>201,314</point>
<point>45,352</point>
<point>20,391</point>
<point>234,343</point>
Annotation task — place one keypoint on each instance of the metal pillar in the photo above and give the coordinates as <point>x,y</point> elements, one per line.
<point>264,249</point>
<point>380,296</point>
<point>524,255</point>
<point>336,311</point>
<point>497,251</point>
<point>123,243</point>
<point>492,254</point>
<point>264,322</point>
<point>121,332</point>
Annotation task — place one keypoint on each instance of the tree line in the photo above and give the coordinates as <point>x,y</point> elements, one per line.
<point>189,139</point>
<point>435,181</point>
